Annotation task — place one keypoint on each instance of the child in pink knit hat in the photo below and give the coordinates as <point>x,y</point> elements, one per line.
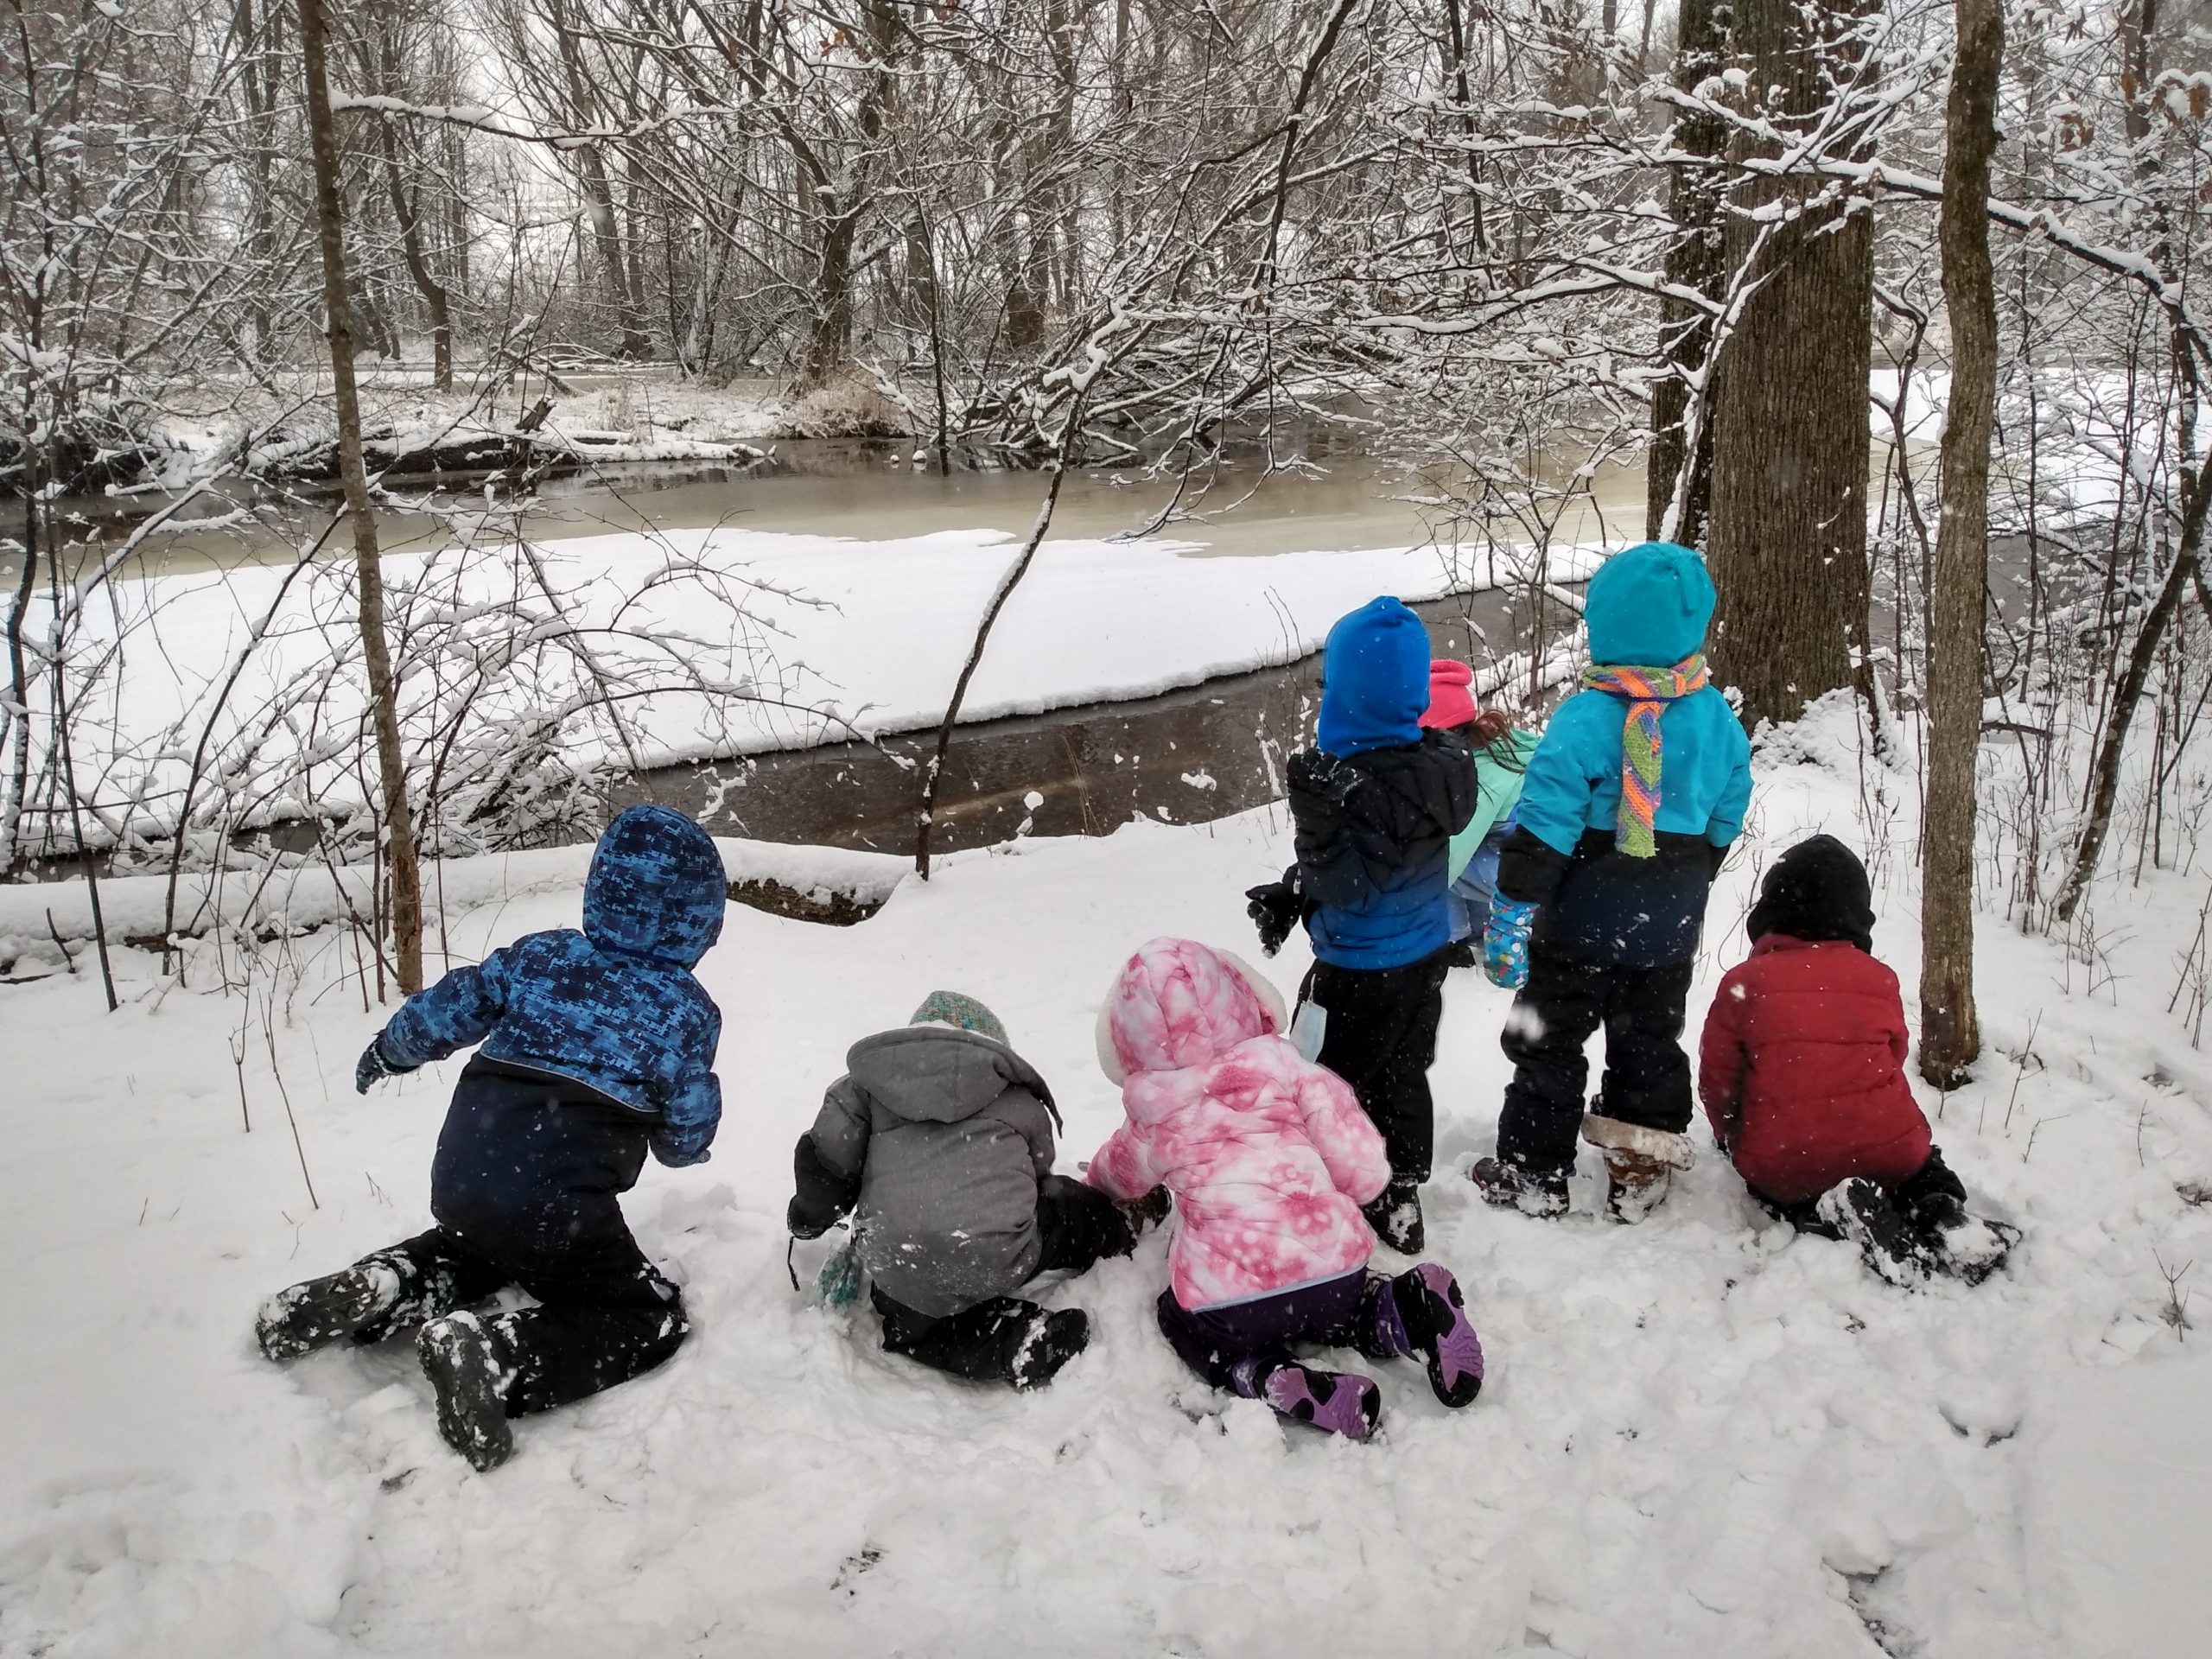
<point>1501,752</point>
<point>1269,1158</point>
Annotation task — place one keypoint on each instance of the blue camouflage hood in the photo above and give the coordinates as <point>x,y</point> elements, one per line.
<point>1649,606</point>
<point>1374,679</point>
<point>657,888</point>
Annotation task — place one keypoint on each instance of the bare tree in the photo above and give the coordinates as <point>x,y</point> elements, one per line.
<point>398,823</point>
<point>1951,1035</point>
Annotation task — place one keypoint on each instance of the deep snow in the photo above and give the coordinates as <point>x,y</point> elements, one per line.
<point>1701,1435</point>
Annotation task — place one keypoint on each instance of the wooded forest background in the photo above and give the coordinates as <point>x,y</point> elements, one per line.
<point>1516,244</point>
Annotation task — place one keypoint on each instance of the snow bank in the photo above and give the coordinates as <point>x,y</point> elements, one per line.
<point>717,643</point>
<point>271,900</point>
<point>1702,1436</point>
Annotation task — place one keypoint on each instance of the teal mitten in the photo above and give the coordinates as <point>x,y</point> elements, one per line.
<point>838,1284</point>
<point>1505,943</point>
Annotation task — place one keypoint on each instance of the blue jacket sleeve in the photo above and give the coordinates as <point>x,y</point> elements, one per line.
<point>1727,821</point>
<point>1555,795</point>
<point>459,1010</point>
<point>694,1111</point>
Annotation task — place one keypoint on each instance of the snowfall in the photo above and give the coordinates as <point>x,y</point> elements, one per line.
<point>1701,1435</point>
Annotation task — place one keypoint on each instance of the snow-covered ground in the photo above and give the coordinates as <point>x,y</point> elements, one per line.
<point>1702,1436</point>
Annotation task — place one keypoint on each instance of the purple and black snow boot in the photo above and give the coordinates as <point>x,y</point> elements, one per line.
<point>1344,1402</point>
<point>1423,1311</point>
<point>468,1367</point>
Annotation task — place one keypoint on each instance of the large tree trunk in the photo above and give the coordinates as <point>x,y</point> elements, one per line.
<point>1951,1035</point>
<point>383,691</point>
<point>1790,445</point>
<point>1681,431</point>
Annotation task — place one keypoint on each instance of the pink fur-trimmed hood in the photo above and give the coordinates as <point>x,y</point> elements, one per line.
<point>1180,1003</point>
<point>1269,1157</point>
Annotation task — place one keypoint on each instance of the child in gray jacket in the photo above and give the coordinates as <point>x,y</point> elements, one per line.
<point>939,1140</point>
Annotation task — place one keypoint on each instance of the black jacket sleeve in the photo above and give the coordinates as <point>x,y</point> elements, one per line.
<point>1330,869</point>
<point>1529,871</point>
<point>822,1197</point>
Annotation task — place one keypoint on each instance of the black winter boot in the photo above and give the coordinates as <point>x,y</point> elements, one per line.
<point>1967,1246</point>
<point>1395,1216</point>
<point>1148,1211</point>
<point>1860,1211</point>
<point>1510,1187</point>
<point>1056,1338</point>
<point>322,1311</point>
<point>470,1369</point>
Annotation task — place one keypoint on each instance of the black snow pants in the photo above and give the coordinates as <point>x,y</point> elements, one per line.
<point>1079,1224</point>
<point>1567,1000</point>
<point>605,1313</point>
<point>1381,1039</point>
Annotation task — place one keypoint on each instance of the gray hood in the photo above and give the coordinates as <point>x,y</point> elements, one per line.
<point>934,1074</point>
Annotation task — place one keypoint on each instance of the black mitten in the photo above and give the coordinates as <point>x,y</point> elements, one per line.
<point>1275,910</point>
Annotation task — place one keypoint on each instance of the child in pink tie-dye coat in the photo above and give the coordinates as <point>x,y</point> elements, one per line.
<point>1269,1159</point>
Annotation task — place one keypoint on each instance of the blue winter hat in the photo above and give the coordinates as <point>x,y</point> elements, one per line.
<point>1649,606</point>
<point>1374,679</point>
<point>656,886</point>
<point>962,1013</point>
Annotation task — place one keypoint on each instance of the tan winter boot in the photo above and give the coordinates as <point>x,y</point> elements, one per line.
<point>1639,1163</point>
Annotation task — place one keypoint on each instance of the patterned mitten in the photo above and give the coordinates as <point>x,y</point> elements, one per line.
<point>374,1066</point>
<point>1505,943</point>
<point>838,1284</point>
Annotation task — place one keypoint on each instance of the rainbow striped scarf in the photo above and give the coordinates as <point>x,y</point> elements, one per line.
<point>1648,691</point>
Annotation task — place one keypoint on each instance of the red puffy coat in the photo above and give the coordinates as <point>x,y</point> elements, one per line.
<point>1802,1070</point>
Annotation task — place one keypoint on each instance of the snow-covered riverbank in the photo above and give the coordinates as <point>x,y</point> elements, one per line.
<point>705,642</point>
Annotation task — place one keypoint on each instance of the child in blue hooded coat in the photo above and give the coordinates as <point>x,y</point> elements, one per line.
<point>1630,803</point>
<point>1373,808</point>
<point>594,1046</point>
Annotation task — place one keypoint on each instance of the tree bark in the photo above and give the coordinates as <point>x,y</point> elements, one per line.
<point>404,874</point>
<point>1791,442</point>
<point>1950,1034</point>
<point>1674,509</point>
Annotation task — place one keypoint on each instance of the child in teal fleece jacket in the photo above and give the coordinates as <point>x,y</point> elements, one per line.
<point>1631,799</point>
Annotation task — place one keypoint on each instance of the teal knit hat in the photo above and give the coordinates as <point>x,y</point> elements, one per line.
<point>964,1012</point>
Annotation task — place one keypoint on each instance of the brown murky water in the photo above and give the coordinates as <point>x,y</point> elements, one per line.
<point>874,492</point>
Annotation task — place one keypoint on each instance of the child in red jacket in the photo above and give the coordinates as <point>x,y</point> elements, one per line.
<point>1802,1072</point>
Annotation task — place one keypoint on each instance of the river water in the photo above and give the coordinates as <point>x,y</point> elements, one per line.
<point>1191,755</point>
<point>1319,501</point>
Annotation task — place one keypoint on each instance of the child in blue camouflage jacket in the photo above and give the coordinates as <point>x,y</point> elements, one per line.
<point>594,1046</point>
